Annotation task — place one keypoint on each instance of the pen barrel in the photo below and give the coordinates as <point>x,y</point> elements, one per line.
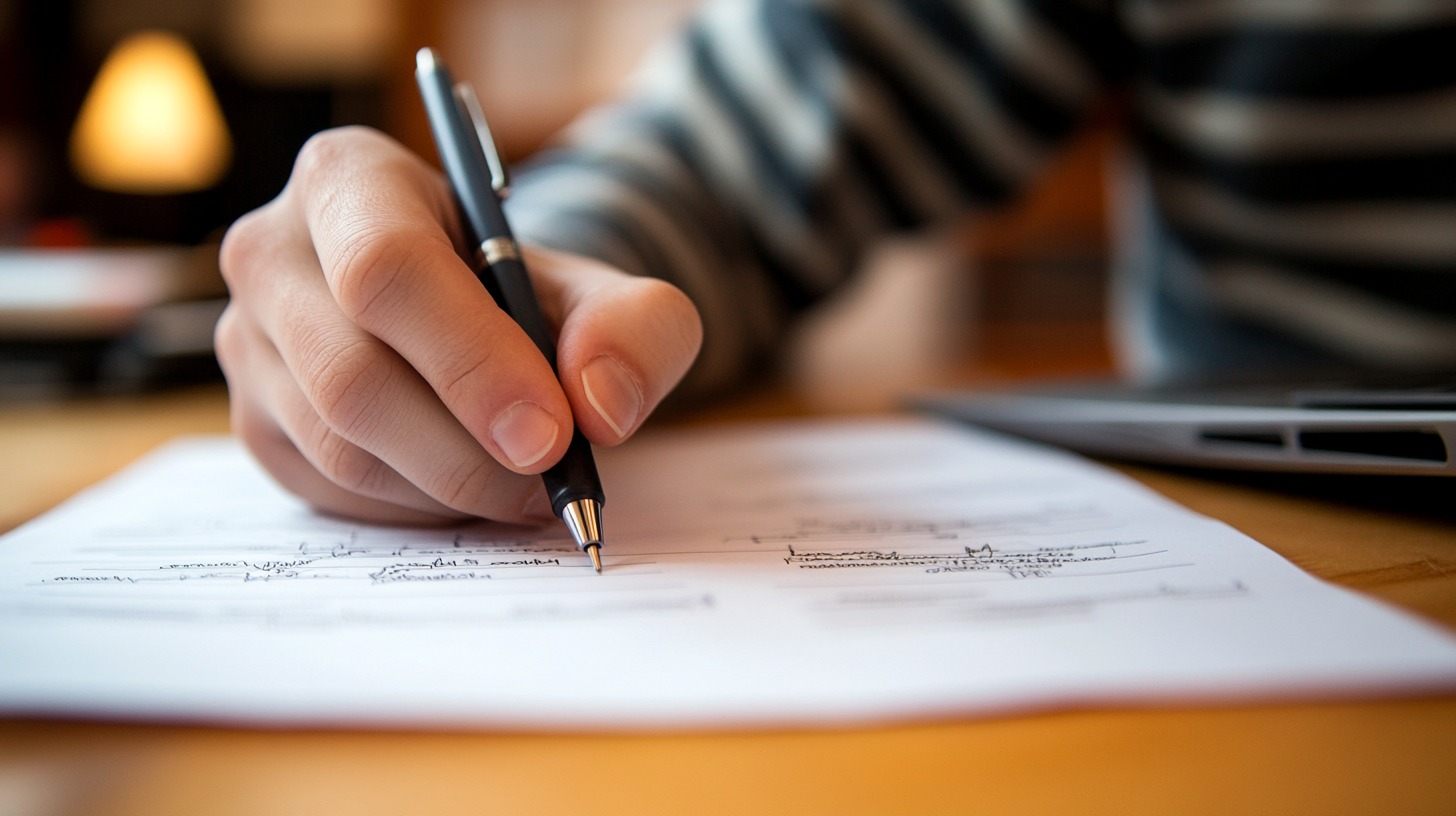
<point>510,285</point>
<point>575,477</point>
<point>461,154</point>
<point>498,265</point>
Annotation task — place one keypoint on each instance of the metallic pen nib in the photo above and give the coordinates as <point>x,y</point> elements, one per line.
<point>583,518</point>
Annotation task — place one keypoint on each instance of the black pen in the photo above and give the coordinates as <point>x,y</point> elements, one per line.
<point>478,176</point>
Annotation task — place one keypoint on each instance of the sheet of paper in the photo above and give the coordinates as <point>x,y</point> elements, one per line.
<point>780,574</point>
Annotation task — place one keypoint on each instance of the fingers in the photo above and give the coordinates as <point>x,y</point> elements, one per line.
<point>273,402</point>
<point>372,373</point>
<point>310,384</point>
<point>625,342</point>
<point>303,453</point>
<point>395,273</point>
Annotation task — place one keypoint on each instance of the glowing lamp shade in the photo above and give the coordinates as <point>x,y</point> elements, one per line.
<point>150,123</point>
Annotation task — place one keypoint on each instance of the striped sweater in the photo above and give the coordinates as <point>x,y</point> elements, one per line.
<point>1291,198</point>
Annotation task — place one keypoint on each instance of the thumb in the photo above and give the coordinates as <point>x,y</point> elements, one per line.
<point>625,341</point>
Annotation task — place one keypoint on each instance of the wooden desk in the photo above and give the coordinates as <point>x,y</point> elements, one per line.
<point>1380,756</point>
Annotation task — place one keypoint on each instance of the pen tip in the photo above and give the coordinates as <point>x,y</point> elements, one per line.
<point>583,519</point>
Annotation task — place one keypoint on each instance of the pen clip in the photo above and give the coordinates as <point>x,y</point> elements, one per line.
<point>500,181</point>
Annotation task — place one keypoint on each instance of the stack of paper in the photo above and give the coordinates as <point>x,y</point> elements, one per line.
<point>798,573</point>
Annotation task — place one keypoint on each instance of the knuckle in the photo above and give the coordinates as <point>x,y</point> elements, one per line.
<point>252,427</point>
<point>347,465</point>
<point>227,338</point>
<point>239,247</point>
<point>461,487</point>
<point>322,152</point>
<point>480,487</point>
<point>343,382</point>
<point>372,261</point>
<point>458,375</point>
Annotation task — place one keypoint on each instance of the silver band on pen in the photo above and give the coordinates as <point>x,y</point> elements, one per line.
<point>497,249</point>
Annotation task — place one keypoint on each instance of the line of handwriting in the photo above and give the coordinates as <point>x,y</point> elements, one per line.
<point>1042,521</point>
<point>376,568</point>
<point>1038,562</point>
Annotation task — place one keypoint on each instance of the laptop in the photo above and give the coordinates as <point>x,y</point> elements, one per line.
<point>1396,426</point>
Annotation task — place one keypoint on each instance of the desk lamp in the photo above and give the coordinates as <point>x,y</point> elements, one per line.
<point>151,124</point>
<point>121,317</point>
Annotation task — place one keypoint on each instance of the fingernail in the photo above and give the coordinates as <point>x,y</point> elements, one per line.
<point>524,432</point>
<point>613,393</point>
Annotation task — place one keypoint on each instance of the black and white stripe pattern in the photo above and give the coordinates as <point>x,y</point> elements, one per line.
<point>1290,144</point>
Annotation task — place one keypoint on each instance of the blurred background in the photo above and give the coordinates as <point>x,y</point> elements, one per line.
<point>133,131</point>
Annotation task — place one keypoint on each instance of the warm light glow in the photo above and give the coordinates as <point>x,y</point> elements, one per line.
<point>150,123</point>
<point>286,42</point>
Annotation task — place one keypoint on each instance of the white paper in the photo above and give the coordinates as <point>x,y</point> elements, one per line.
<point>782,574</point>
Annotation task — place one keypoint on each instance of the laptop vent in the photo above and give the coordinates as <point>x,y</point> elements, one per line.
<point>1268,439</point>
<point>1423,446</point>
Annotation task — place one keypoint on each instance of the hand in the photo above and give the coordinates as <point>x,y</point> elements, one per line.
<point>371,373</point>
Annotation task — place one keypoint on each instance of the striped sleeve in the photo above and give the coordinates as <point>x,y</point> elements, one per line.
<point>1304,155</point>
<point>767,148</point>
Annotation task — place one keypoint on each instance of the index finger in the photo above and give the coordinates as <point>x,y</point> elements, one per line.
<point>379,217</point>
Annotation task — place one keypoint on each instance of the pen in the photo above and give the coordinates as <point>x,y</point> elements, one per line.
<point>478,176</point>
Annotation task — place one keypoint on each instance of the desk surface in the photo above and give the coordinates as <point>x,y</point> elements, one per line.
<point>1385,756</point>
